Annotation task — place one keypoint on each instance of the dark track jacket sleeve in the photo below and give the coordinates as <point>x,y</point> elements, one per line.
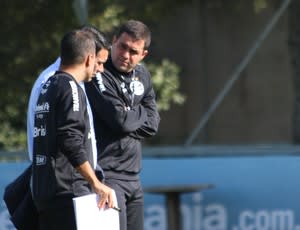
<point>109,105</point>
<point>150,126</point>
<point>70,123</point>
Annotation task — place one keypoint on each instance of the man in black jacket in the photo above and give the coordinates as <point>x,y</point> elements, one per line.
<point>124,110</point>
<point>62,155</point>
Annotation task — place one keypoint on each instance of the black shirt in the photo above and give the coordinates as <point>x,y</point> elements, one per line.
<point>125,112</point>
<point>61,140</point>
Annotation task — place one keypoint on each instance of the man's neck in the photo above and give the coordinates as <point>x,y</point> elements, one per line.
<point>73,71</point>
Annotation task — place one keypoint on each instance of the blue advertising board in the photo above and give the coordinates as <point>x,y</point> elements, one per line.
<point>250,193</point>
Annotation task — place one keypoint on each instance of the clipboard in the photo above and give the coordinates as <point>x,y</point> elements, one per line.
<point>89,216</point>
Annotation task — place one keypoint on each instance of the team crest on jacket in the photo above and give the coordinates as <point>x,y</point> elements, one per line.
<point>137,87</point>
<point>45,87</point>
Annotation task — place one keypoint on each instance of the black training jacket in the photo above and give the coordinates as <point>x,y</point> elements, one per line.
<point>61,141</point>
<point>125,112</point>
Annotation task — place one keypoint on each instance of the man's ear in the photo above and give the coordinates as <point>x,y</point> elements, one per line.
<point>88,60</point>
<point>145,52</point>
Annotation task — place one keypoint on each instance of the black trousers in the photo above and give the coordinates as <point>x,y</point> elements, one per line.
<point>131,201</point>
<point>58,217</point>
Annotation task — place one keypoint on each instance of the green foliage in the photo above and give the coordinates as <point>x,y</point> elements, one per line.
<point>11,138</point>
<point>165,77</point>
<point>31,32</point>
<point>109,18</point>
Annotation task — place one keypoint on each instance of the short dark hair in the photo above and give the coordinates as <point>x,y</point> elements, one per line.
<point>75,45</point>
<point>137,30</point>
<point>100,38</point>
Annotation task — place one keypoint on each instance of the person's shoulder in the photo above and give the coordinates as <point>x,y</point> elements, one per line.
<point>142,69</point>
<point>62,81</point>
<point>62,77</point>
<point>141,66</point>
<point>142,73</point>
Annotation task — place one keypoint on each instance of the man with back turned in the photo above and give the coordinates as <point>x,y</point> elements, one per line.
<point>62,155</point>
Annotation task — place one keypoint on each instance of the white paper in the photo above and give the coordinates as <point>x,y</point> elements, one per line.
<point>89,216</point>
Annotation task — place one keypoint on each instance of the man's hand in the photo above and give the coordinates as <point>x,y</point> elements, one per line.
<point>105,193</point>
